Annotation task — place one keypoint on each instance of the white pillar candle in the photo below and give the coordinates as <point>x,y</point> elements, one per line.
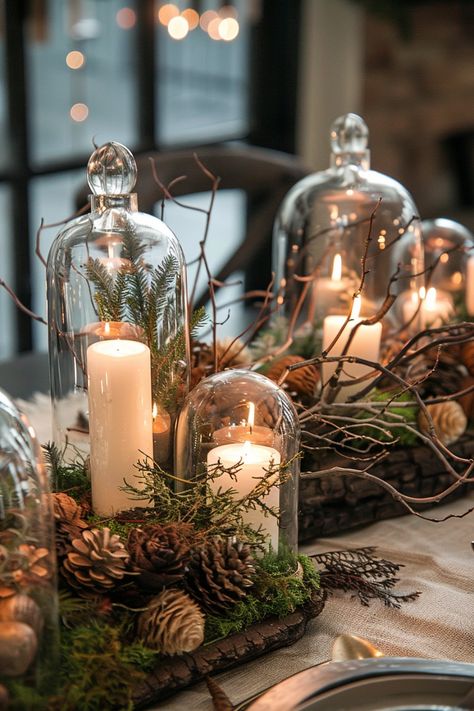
<point>470,286</point>
<point>255,460</point>
<point>365,344</point>
<point>120,419</point>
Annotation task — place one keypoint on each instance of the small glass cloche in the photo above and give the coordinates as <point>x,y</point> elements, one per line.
<point>28,595</point>
<point>448,248</point>
<point>242,420</point>
<point>335,224</point>
<point>117,314</point>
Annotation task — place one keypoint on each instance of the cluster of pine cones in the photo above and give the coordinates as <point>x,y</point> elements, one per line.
<point>176,579</point>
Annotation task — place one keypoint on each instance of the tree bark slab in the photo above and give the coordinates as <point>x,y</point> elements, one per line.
<point>173,674</point>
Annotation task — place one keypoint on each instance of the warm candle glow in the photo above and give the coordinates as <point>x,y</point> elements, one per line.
<point>251,418</point>
<point>107,328</point>
<point>337,268</point>
<point>430,299</point>
<point>356,306</point>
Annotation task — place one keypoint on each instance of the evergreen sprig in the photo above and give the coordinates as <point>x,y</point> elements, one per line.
<point>213,510</point>
<point>362,573</point>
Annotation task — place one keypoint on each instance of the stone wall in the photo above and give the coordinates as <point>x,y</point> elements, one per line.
<point>418,95</point>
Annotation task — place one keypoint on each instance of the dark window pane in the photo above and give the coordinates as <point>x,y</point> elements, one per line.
<point>81,77</point>
<point>7,315</point>
<point>202,82</point>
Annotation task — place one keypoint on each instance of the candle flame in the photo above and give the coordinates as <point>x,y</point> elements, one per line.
<point>107,329</point>
<point>251,417</point>
<point>422,293</point>
<point>356,307</point>
<point>154,411</point>
<point>430,299</point>
<point>337,268</point>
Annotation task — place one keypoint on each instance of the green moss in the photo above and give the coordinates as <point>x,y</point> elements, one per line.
<point>276,593</point>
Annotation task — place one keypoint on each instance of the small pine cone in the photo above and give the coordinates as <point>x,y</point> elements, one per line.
<point>467,356</point>
<point>230,353</point>
<point>449,421</point>
<point>172,624</point>
<point>159,554</point>
<point>96,561</point>
<point>302,381</point>
<point>220,574</point>
<point>69,522</point>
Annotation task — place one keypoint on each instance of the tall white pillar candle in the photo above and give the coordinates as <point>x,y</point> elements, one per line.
<point>120,419</point>
<point>255,460</point>
<point>364,344</point>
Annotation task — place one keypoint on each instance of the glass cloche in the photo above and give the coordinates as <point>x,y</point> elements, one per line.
<point>246,424</point>
<point>117,306</point>
<point>28,595</point>
<point>335,224</point>
<point>448,246</point>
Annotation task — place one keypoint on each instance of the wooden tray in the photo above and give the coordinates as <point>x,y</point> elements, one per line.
<point>340,502</point>
<point>173,674</point>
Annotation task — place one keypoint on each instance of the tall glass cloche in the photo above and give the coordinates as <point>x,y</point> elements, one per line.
<point>116,274</point>
<point>29,633</point>
<point>347,228</point>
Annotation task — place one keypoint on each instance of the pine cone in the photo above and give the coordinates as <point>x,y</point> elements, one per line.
<point>302,381</point>
<point>159,554</point>
<point>437,374</point>
<point>449,421</point>
<point>467,356</point>
<point>172,624</point>
<point>96,561</point>
<point>24,567</point>
<point>69,522</point>
<point>219,574</point>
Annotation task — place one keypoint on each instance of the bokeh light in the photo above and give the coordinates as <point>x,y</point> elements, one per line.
<point>79,112</point>
<point>166,13</point>
<point>178,27</point>
<point>228,29</point>
<point>213,28</point>
<point>191,17</point>
<point>75,59</point>
<point>206,18</point>
<point>126,18</point>
<point>228,11</point>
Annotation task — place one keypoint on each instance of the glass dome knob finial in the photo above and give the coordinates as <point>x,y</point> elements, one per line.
<point>111,170</point>
<point>349,134</point>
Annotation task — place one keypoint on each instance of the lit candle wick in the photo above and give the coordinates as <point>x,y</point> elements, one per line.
<point>154,411</point>
<point>107,329</point>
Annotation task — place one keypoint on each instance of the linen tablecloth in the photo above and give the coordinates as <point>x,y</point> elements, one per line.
<point>439,562</point>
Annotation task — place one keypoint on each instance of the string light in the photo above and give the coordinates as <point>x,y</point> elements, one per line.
<point>213,28</point>
<point>206,18</point>
<point>79,112</point>
<point>75,60</point>
<point>126,18</point>
<point>228,29</point>
<point>166,13</point>
<point>191,17</point>
<point>178,27</point>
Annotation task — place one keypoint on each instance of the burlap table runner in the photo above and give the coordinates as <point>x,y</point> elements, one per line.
<point>438,561</point>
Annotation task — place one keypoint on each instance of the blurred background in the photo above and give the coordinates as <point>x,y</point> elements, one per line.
<point>272,73</point>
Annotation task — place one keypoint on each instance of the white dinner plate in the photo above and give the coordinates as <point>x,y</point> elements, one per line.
<point>384,684</point>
